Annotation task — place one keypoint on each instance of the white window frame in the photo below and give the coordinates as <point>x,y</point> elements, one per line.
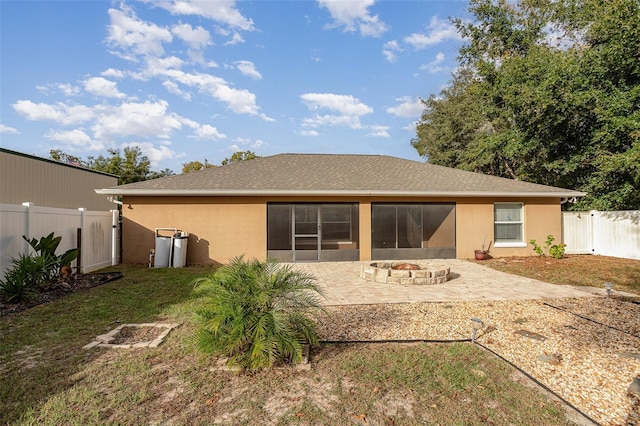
<point>522,243</point>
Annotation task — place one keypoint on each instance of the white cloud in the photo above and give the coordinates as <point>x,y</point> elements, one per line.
<point>75,138</point>
<point>58,112</point>
<point>350,110</point>
<point>243,144</point>
<point>156,155</point>
<point>134,37</point>
<point>354,15</point>
<point>248,68</point>
<point>136,119</point>
<point>312,133</point>
<point>68,89</point>
<point>102,87</point>
<point>207,131</point>
<point>158,67</point>
<point>390,50</point>
<point>239,101</point>
<point>174,89</point>
<point>379,131</point>
<point>345,104</point>
<point>8,130</point>
<point>65,88</point>
<point>235,39</point>
<point>332,120</point>
<point>408,107</point>
<point>221,11</point>
<point>434,67</point>
<point>411,127</point>
<point>196,38</point>
<point>112,73</point>
<point>438,32</point>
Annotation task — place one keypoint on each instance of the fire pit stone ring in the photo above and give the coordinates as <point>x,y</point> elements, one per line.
<point>411,273</point>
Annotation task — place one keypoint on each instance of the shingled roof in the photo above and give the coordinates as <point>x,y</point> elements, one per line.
<point>336,175</point>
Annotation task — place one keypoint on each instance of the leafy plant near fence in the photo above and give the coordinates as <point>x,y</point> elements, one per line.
<point>46,248</point>
<point>257,313</point>
<point>554,250</point>
<point>32,273</point>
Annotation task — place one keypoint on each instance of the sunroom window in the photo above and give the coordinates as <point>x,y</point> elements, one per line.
<point>509,224</point>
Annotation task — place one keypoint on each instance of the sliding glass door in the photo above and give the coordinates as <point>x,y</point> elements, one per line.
<point>304,232</point>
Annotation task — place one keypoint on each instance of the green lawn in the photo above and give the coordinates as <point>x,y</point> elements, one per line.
<point>47,378</point>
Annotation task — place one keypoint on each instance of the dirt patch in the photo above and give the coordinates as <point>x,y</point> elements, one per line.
<point>132,335</point>
<point>59,289</point>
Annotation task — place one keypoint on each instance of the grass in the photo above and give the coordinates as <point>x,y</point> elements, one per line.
<point>46,378</point>
<point>581,270</point>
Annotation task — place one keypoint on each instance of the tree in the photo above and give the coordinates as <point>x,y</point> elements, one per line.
<point>194,166</point>
<point>133,166</point>
<point>522,108</point>
<point>256,313</point>
<point>239,156</point>
<point>58,155</point>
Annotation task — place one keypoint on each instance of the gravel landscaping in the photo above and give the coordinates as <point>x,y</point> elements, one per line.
<point>587,350</point>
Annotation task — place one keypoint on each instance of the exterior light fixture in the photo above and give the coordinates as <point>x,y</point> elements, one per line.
<point>477,324</point>
<point>608,287</point>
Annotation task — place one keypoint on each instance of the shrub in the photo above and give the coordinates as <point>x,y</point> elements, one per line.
<point>555,250</point>
<point>257,313</point>
<point>29,274</point>
<point>46,248</point>
<point>22,281</point>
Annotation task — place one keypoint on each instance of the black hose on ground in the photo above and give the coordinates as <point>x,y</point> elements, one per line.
<point>591,320</point>
<point>396,341</point>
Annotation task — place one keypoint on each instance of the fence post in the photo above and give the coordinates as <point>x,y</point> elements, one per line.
<point>114,237</point>
<point>27,224</point>
<point>80,237</point>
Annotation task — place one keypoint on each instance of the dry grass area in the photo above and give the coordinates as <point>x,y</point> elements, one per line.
<point>583,270</point>
<point>46,378</point>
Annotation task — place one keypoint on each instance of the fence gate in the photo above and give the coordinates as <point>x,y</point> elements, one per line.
<point>577,229</point>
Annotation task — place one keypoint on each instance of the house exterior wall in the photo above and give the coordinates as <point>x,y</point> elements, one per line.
<point>223,227</point>
<point>24,178</point>
<point>542,216</point>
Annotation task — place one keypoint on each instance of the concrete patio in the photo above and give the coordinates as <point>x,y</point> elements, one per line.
<point>470,281</point>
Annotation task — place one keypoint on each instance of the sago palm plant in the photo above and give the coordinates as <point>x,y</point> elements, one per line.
<point>257,312</point>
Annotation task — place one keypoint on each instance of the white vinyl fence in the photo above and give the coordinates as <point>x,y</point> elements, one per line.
<point>613,233</point>
<point>97,230</point>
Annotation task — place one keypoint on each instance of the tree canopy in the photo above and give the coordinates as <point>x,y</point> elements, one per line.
<point>133,166</point>
<point>239,156</point>
<point>547,92</point>
<point>194,166</point>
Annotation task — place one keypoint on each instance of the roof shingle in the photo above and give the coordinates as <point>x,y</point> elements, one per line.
<point>331,174</point>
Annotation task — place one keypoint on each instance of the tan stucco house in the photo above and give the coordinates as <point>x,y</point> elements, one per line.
<point>317,207</point>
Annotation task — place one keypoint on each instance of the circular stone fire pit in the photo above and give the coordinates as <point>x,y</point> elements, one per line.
<point>405,273</point>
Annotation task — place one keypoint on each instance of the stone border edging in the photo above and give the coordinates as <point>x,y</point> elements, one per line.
<point>104,340</point>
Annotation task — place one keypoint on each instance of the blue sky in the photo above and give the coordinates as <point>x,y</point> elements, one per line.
<point>189,81</point>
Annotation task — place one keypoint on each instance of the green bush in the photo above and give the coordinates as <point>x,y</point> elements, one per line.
<point>554,250</point>
<point>23,280</point>
<point>32,273</point>
<point>46,248</point>
<point>257,313</point>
